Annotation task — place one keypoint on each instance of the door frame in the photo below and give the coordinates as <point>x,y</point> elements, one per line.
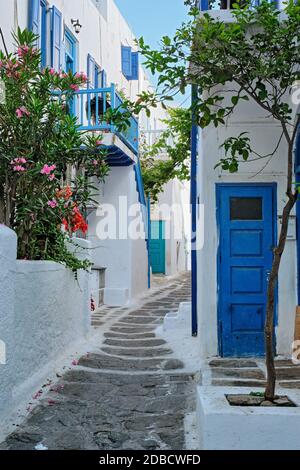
<point>219,186</point>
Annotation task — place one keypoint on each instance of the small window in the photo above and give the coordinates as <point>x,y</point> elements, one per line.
<point>246,208</point>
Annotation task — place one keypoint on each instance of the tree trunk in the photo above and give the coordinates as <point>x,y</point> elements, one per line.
<point>270,313</point>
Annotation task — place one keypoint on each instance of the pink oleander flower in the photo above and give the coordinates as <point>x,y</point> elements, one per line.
<point>21,112</point>
<point>95,163</point>
<point>63,75</point>
<point>74,87</point>
<point>47,170</point>
<point>18,161</point>
<point>52,71</point>
<point>19,168</point>
<point>23,50</point>
<point>98,142</point>
<point>51,177</point>
<point>52,204</point>
<point>82,76</point>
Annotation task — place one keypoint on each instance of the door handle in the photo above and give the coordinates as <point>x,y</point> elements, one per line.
<point>268,273</point>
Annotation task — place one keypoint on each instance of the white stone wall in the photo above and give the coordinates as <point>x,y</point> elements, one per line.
<point>174,208</point>
<point>44,314</point>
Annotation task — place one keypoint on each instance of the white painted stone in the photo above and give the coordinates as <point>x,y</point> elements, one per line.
<point>225,427</point>
<point>8,251</point>
<point>116,297</point>
<point>177,331</point>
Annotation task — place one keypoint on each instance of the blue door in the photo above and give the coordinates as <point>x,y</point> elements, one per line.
<point>246,216</point>
<point>158,247</point>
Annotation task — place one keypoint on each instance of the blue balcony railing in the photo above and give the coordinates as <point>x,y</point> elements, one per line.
<point>206,5</point>
<point>90,107</point>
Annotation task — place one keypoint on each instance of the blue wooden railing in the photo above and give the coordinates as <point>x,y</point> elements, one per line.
<point>90,106</point>
<point>206,5</point>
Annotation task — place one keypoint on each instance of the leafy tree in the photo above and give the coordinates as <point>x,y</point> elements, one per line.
<point>174,144</point>
<point>39,145</point>
<point>258,55</point>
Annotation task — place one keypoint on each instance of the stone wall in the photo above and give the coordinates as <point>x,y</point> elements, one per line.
<point>44,313</point>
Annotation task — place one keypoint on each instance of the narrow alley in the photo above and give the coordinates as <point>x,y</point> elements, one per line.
<point>130,393</point>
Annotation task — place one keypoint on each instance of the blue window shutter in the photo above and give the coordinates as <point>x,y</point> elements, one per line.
<point>44,34</point>
<point>204,5</point>
<point>34,16</point>
<point>97,76</point>
<point>91,66</point>
<point>135,66</point>
<point>103,79</point>
<point>126,61</point>
<point>56,39</point>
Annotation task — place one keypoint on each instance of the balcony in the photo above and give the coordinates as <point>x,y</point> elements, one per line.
<point>217,5</point>
<point>90,107</point>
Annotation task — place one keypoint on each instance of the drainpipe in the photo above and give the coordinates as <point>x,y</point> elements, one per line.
<point>194,137</point>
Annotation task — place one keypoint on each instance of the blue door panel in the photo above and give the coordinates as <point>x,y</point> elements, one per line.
<point>157,247</point>
<point>246,224</point>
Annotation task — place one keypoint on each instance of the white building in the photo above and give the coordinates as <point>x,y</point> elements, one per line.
<point>240,221</point>
<point>91,36</point>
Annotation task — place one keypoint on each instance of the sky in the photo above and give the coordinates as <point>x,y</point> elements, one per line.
<point>153,19</point>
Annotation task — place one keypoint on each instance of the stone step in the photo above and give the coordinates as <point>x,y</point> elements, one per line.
<point>129,335</point>
<point>135,343</point>
<point>103,361</point>
<point>242,373</point>
<point>136,352</point>
<point>235,363</point>
<point>125,328</point>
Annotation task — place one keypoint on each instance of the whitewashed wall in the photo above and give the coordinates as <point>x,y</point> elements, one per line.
<point>175,196</point>
<point>44,314</point>
<point>125,258</point>
<point>264,134</point>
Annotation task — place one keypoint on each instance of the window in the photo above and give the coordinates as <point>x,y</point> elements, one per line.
<point>37,23</point>
<point>246,208</point>
<point>70,52</point>
<point>97,77</point>
<point>130,63</point>
<point>91,71</point>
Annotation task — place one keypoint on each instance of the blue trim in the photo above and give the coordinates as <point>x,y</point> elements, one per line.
<point>204,5</point>
<point>126,59</point>
<point>103,79</point>
<point>149,239</point>
<point>56,38</point>
<point>219,187</point>
<point>34,16</point>
<point>43,37</point>
<point>134,66</point>
<point>74,43</point>
<point>194,142</point>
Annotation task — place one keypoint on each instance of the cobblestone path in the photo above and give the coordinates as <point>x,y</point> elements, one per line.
<point>131,393</point>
